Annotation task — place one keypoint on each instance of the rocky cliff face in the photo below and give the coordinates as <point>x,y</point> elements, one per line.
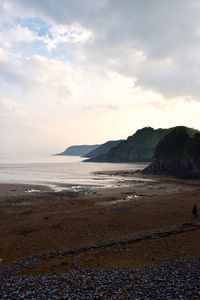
<point>137,148</point>
<point>177,154</point>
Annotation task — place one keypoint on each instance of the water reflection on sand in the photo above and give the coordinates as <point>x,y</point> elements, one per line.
<point>64,173</point>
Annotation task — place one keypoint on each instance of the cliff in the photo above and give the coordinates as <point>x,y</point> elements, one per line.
<point>137,148</point>
<point>102,149</point>
<point>177,154</point>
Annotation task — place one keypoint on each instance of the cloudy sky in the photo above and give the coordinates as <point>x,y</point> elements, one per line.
<point>86,71</point>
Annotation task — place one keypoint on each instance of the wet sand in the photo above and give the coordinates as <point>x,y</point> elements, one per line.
<point>42,222</point>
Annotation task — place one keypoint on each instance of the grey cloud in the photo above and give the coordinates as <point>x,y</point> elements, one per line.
<point>161,30</point>
<point>62,12</point>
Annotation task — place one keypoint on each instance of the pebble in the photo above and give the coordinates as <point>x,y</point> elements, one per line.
<point>177,280</point>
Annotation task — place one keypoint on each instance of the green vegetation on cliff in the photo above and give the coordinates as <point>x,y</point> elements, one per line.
<point>177,154</point>
<point>102,149</point>
<point>137,148</point>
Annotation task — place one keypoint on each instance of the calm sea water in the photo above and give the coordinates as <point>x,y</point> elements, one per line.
<point>58,170</point>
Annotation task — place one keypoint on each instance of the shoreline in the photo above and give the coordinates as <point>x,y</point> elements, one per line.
<point>21,188</point>
<point>124,182</point>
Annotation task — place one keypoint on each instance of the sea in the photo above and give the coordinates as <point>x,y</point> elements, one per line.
<point>56,171</point>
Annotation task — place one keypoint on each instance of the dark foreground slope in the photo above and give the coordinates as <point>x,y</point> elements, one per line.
<point>79,150</point>
<point>137,148</point>
<point>103,149</point>
<point>177,154</point>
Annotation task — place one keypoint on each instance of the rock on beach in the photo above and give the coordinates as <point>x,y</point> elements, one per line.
<point>176,280</point>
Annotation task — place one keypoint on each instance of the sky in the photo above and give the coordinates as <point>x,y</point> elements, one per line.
<point>88,71</point>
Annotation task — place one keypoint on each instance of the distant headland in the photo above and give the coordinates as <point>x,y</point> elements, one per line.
<point>78,150</point>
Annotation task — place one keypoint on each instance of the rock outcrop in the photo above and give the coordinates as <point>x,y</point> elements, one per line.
<point>177,154</point>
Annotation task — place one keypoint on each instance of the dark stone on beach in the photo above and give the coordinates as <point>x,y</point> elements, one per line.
<point>177,280</point>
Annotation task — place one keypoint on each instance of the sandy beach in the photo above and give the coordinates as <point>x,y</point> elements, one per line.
<point>145,221</point>
<point>39,222</point>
